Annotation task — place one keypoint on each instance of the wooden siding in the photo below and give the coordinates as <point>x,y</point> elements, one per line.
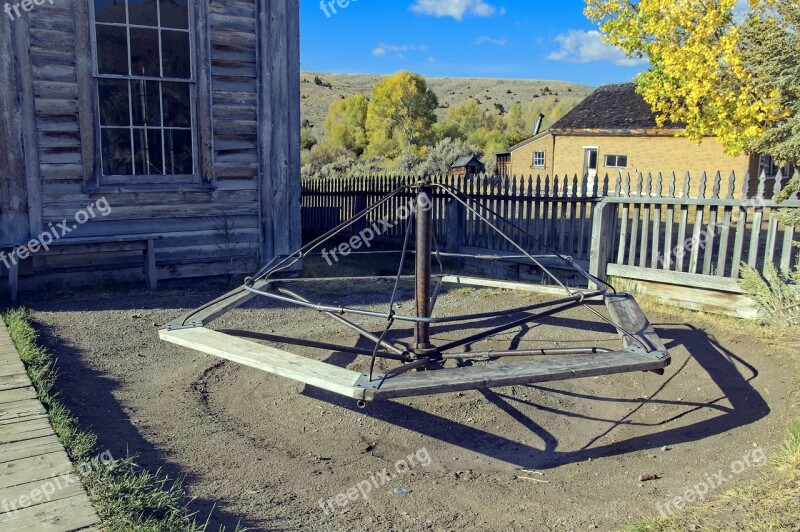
<point>217,225</point>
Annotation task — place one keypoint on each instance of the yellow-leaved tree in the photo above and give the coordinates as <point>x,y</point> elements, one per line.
<point>698,74</point>
<point>402,108</point>
<point>725,71</point>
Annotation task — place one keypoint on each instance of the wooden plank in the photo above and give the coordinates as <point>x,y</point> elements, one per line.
<point>507,374</point>
<point>35,468</point>
<point>29,448</point>
<point>71,513</point>
<point>14,216</point>
<point>219,307</point>
<point>603,236</point>
<point>29,134</point>
<point>626,314</point>
<point>700,299</point>
<point>150,271</point>
<point>788,249</point>
<point>18,394</point>
<point>724,242</point>
<point>25,430</point>
<point>36,493</point>
<point>87,93</point>
<point>738,242</point>
<point>14,381</point>
<point>694,254</point>
<point>269,359</point>
<point>509,285</point>
<point>758,217</point>
<point>772,240</point>
<point>13,281</point>
<point>20,410</point>
<point>725,284</point>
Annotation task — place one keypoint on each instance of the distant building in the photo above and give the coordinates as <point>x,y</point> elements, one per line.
<point>614,130</point>
<point>467,166</point>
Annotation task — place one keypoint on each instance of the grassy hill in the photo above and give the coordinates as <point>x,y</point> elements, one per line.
<point>542,94</point>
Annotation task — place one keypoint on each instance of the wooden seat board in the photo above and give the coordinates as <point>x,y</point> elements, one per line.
<point>270,359</point>
<point>507,374</point>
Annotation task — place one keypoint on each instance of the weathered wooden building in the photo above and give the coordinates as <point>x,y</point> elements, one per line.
<point>467,166</point>
<point>148,136</point>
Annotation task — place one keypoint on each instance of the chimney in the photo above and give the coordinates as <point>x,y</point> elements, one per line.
<point>538,127</point>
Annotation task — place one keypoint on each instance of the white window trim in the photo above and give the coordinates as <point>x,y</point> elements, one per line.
<point>605,160</point>
<point>544,159</point>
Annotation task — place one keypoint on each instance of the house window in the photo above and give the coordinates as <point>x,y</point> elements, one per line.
<point>768,166</point>
<point>146,87</point>
<point>616,161</point>
<point>538,159</point>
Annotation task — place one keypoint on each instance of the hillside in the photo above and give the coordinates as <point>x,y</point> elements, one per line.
<point>315,99</point>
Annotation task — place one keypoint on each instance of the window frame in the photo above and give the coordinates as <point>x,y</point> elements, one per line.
<point>786,170</point>
<point>539,155</point>
<point>199,104</point>
<point>616,161</point>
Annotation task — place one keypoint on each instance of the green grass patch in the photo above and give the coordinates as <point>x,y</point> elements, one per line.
<point>126,496</point>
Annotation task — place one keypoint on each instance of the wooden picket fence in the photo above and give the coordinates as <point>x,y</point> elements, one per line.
<point>689,250</point>
<point>670,235</point>
<point>555,212</point>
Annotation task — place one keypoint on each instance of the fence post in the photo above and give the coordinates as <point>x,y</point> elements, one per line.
<point>359,205</point>
<point>454,221</point>
<point>603,238</point>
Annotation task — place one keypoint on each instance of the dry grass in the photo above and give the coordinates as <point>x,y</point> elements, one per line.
<point>772,501</point>
<point>769,504</point>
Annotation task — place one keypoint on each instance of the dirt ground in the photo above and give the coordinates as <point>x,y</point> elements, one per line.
<point>270,452</point>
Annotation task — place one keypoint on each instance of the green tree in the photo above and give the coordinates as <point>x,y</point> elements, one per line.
<point>345,123</point>
<point>469,116</point>
<point>772,50</point>
<point>307,139</point>
<point>402,107</point>
<point>442,155</point>
<point>516,126</point>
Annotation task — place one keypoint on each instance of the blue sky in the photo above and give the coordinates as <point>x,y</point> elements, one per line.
<point>533,39</point>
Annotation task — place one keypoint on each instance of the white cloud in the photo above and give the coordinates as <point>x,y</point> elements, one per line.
<point>457,9</point>
<point>383,49</point>
<point>579,46</point>
<point>488,40</point>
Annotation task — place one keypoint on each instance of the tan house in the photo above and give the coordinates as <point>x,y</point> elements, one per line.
<point>613,131</point>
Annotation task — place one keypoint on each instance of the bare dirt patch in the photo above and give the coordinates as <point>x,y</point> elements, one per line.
<point>266,450</point>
